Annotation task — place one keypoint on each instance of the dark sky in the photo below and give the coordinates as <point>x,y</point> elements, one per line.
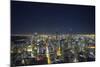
<point>30,17</point>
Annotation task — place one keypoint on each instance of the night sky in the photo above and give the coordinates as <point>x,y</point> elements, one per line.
<point>30,17</point>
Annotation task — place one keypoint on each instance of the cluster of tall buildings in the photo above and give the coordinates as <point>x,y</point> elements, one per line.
<point>52,48</point>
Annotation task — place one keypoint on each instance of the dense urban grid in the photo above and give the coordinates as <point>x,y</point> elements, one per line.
<point>39,49</point>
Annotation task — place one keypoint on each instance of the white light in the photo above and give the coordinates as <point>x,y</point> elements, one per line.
<point>37,44</point>
<point>29,49</point>
<point>38,40</point>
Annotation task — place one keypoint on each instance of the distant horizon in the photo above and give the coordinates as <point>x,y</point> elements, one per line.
<point>48,33</point>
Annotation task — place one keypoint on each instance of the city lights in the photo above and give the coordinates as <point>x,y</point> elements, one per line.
<point>45,49</point>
